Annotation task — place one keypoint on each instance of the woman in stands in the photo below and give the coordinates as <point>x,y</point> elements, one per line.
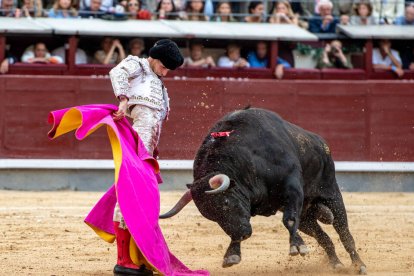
<point>282,13</point>
<point>32,8</point>
<point>223,13</point>
<point>135,11</point>
<point>63,9</point>
<point>194,11</point>
<point>166,10</point>
<point>363,14</point>
<point>256,11</point>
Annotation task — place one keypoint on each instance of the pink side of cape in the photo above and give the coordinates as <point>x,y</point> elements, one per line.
<point>137,189</point>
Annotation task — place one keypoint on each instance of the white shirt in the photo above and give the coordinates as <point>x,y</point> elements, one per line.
<point>80,56</point>
<point>134,79</point>
<point>378,59</point>
<point>29,54</point>
<point>224,61</point>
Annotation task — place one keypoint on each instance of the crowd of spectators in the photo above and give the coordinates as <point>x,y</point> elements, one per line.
<point>318,16</point>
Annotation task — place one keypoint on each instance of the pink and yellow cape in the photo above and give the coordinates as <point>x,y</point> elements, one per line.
<point>136,185</point>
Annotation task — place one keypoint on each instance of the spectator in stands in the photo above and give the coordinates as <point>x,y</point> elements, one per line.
<point>80,55</point>
<point>194,11</point>
<point>310,7</point>
<point>333,57</point>
<point>135,10</point>
<point>363,14</point>
<point>196,58</point>
<point>232,58</point>
<point>38,53</point>
<point>112,51</point>
<point>387,11</point>
<point>260,59</point>
<point>166,10</point>
<point>4,65</point>
<point>282,13</point>
<point>32,8</point>
<point>256,11</point>
<point>9,9</point>
<point>325,22</point>
<point>137,47</point>
<point>223,13</point>
<point>93,11</point>
<point>63,9</point>
<point>408,19</point>
<point>106,5</point>
<point>386,58</point>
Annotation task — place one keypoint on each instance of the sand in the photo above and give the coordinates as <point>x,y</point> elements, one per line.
<point>42,233</point>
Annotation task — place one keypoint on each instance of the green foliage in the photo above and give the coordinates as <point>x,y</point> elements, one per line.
<point>304,49</point>
<point>308,50</point>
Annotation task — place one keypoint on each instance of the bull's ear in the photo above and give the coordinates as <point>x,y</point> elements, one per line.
<point>189,185</point>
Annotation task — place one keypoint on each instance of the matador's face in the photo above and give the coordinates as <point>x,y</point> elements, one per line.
<point>158,68</point>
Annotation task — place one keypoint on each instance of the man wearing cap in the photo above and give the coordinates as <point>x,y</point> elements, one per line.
<point>142,95</point>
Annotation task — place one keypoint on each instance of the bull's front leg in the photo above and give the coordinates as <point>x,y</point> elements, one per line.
<point>233,254</point>
<point>293,197</point>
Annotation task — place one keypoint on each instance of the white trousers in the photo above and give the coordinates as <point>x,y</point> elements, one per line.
<point>147,123</point>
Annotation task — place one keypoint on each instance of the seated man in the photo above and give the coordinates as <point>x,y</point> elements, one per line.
<point>408,19</point>
<point>8,8</point>
<point>93,11</point>
<point>333,57</point>
<point>233,58</point>
<point>260,59</point>
<point>196,58</point>
<point>38,53</point>
<point>386,58</point>
<point>325,22</point>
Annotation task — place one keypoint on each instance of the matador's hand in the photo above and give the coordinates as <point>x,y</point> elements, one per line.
<point>121,112</point>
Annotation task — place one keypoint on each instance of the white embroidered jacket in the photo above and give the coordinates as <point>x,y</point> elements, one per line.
<point>134,79</point>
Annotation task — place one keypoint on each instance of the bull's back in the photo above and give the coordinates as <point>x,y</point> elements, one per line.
<point>263,136</point>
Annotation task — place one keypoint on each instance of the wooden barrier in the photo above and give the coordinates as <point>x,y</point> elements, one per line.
<point>361,120</point>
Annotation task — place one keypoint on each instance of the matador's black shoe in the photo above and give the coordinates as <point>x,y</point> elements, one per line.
<point>124,271</point>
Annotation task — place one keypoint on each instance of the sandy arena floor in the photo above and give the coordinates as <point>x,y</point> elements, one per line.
<point>42,233</point>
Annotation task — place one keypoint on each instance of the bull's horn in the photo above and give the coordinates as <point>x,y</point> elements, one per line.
<point>184,200</point>
<point>221,179</point>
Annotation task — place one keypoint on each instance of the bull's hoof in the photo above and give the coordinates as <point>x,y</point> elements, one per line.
<point>303,250</point>
<point>363,270</point>
<point>231,260</point>
<point>296,250</point>
<point>293,251</point>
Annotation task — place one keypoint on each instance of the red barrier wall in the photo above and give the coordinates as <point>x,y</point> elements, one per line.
<point>361,120</point>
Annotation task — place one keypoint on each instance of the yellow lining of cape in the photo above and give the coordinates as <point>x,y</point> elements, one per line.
<point>102,234</point>
<point>71,120</point>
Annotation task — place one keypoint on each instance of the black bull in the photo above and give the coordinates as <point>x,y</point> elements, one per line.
<point>266,164</point>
